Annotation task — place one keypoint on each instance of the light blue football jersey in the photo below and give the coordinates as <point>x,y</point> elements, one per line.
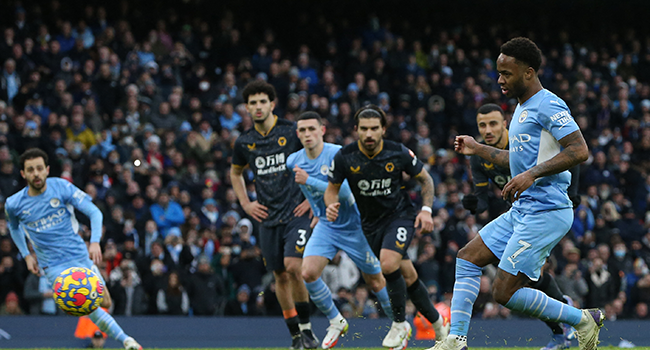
<point>48,220</point>
<point>534,131</point>
<point>348,219</point>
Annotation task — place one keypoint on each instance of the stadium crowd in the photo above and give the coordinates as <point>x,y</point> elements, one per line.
<point>142,115</point>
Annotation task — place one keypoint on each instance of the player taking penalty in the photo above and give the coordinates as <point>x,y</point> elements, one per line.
<point>44,210</point>
<point>545,142</point>
<point>492,127</point>
<point>310,166</point>
<point>373,168</point>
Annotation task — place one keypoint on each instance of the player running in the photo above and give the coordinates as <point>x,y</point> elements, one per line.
<point>492,127</point>
<point>545,142</point>
<point>44,212</point>
<point>373,167</point>
<point>279,205</point>
<point>310,166</point>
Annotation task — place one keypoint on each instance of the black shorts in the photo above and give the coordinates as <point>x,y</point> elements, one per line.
<point>396,235</point>
<point>284,241</point>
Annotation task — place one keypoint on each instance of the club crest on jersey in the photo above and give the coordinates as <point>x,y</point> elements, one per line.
<point>55,202</point>
<point>324,169</point>
<point>251,147</point>
<point>523,116</point>
<point>282,141</point>
<point>390,167</point>
<point>356,170</point>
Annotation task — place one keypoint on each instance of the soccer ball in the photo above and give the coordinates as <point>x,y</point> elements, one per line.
<point>78,291</point>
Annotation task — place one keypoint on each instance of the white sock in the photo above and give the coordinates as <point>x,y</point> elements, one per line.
<point>304,326</point>
<point>338,319</point>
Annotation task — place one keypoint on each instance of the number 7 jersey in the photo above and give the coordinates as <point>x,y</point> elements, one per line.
<point>536,127</point>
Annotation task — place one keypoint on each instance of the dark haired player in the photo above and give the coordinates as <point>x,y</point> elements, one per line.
<point>44,212</point>
<point>280,206</point>
<point>310,166</point>
<point>544,142</point>
<point>373,167</point>
<point>492,127</point>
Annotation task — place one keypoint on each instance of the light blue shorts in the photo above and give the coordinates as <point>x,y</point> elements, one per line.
<point>523,241</point>
<point>325,242</point>
<point>53,271</point>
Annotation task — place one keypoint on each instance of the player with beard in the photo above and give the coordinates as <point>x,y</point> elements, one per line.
<point>44,211</point>
<point>373,168</point>
<point>280,205</point>
<point>492,127</point>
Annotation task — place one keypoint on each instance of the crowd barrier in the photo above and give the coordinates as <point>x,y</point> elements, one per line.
<point>260,332</point>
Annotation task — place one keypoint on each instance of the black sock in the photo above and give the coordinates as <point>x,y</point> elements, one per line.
<point>397,294</point>
<point>547,284</point>
<point>555,327</point>
<point>303,309</point>
<point>292,324</point>
<point>420,298</point>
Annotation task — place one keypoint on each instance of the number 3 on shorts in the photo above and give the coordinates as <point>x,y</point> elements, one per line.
<point>524,245</point>
<point>402,234</point>
<point>303,237</point>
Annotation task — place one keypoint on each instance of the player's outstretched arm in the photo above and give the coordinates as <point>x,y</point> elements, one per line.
<point>253,209</point>
<point>424,219</point>
<point>575,152</point>
<point>468,146</point>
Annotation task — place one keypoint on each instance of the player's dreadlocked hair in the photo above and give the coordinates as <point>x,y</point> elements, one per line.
<point>371,111</point>
<point>33,153</point>
<point>259,87</point>
<point>523,50</point>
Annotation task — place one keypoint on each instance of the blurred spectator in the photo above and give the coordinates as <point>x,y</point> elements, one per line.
<point>126,290</point>
<point>11,305</point>
<point>38,294</point>
<point>173,300</point>
<point>361,305</point>
<point>242,305</point>
<point>206,290</point>
<point>166,213</point>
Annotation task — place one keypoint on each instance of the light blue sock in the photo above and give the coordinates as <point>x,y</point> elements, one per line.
<point>384,301</point>
<point>322,297</point>
<point>533,302</point>
<point>466,288</point>
<point>107,324</point>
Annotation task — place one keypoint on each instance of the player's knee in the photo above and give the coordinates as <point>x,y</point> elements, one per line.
<point>376,282</point>
<point>294,271</point>
<point>282,277</point>
<point>309,275</point>
<point>107,302</point>
<point>464,254</point>
<point>388,267</point>
<point>501,294</point>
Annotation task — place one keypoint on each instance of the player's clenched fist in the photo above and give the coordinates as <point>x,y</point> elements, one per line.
<point>301,175</point>
<point>465,144</point>
<point>332,211</point>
